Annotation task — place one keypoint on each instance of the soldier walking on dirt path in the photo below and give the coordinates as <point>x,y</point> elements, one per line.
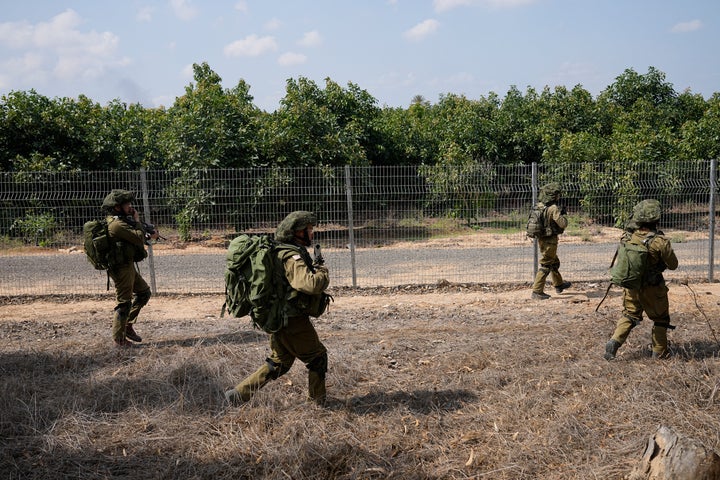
<point>132,293</point>
<point>652,296</point>
<point>305,282</point>
<point>557,222</point>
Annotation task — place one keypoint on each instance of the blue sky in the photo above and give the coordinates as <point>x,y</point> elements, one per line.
<point>142,51</point>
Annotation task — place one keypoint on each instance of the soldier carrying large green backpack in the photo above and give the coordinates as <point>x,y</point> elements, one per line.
<point>284,314</point>
<point>647,291</point>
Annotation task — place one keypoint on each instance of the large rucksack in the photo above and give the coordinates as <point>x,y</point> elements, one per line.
<point>255,282</point>
<point>537,222</point>
<point>99,247</point>
<point>631,264</point>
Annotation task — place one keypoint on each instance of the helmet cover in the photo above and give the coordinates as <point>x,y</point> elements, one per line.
<point>295,221</point>
<point>117,197</point>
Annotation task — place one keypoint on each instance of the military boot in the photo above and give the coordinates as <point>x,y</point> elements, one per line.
<point>539,296</point>
<point>611,348</point>
<point>316,388</point>
<point>131,334</point>
<point>235,398</point>
<point>661,355</point>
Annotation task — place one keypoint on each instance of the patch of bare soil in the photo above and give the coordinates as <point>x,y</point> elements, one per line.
<point>425,382</point>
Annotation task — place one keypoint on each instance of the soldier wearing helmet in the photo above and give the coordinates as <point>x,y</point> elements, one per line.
<point>306,282</point>
<point>131,291</point>
<point>549,261</point>
<point>652,297</point>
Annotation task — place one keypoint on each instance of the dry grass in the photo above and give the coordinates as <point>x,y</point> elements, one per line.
<point>446,382</point>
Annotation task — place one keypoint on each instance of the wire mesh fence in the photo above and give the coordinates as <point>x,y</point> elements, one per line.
<point>379,226</point>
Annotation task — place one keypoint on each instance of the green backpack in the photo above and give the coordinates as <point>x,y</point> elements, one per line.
<point>99,248</point>
<point>537,225</point>
<point>255,282</point>
<point>631,265</point>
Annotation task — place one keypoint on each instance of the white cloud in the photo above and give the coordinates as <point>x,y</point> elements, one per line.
<point>183,10</point>
<point>273,24</point>
<point>241,6</point>
<point>684,27</point>
<point>251,46</point>
<point>445,5</point>
<point>58,49</point>
<point>144,14</point>
<point>422,30</point>
<point>311,39</point>
<point>16,35</point>
<point>290,58</point>
<point>30,66</point>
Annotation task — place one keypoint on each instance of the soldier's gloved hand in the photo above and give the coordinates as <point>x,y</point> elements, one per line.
<point>563,210</point>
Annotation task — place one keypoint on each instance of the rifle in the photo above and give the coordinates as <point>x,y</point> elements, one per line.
<point>319,260</point>
<point>150,230</point>
<point>609,286</point>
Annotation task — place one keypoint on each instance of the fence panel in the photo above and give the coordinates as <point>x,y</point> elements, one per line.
<point>380,226</point>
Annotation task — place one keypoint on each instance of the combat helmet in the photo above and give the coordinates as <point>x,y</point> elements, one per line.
<point>647,211</point>
<point>550,193</point>
<point>117,197</point>
<point>298,220</point>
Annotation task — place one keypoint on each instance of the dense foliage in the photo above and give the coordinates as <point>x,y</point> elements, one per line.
<point>638,119</point>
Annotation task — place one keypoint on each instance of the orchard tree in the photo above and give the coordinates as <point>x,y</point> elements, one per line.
<point>517,128</point>
<point>700,139</point>
<point>209,126</point>
<point>319,127</point>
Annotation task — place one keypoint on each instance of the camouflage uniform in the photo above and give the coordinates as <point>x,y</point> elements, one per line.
<point>549,260</point>
<point>652,297</point>
<point>131,291</point>
<point>298,340</point>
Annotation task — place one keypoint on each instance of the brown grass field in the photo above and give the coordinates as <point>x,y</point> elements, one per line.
<point>425,382</point>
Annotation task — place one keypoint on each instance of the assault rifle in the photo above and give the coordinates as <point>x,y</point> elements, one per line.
<point>150,230</point>
<point>319,260</point>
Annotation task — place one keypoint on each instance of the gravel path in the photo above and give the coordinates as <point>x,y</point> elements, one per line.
<point>70,273</point>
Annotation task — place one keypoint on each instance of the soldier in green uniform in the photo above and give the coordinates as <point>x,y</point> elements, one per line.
<point>549,261</point>
<point>131,291</point>
<point>305,283</point>
<point>652,297</point>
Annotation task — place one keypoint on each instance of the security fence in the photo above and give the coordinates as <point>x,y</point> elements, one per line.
<point>379,226</point>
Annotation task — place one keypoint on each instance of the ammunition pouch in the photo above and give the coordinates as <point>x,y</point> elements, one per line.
<point>312,305</point>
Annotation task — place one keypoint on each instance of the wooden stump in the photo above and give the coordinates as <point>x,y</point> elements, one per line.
<point>671,457</point>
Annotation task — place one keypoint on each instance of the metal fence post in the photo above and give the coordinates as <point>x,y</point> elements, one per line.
<point>534,187</point>
<point>146,215</point>
<point>351,228</point>
<point>711,223</point>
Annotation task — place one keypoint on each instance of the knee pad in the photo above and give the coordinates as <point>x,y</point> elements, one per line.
<point>634,321</point>
<point>545,270</point>
<point>277,370</point>
<point>142,298</point>
<point>663,324</point>
<point>319,364</point>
